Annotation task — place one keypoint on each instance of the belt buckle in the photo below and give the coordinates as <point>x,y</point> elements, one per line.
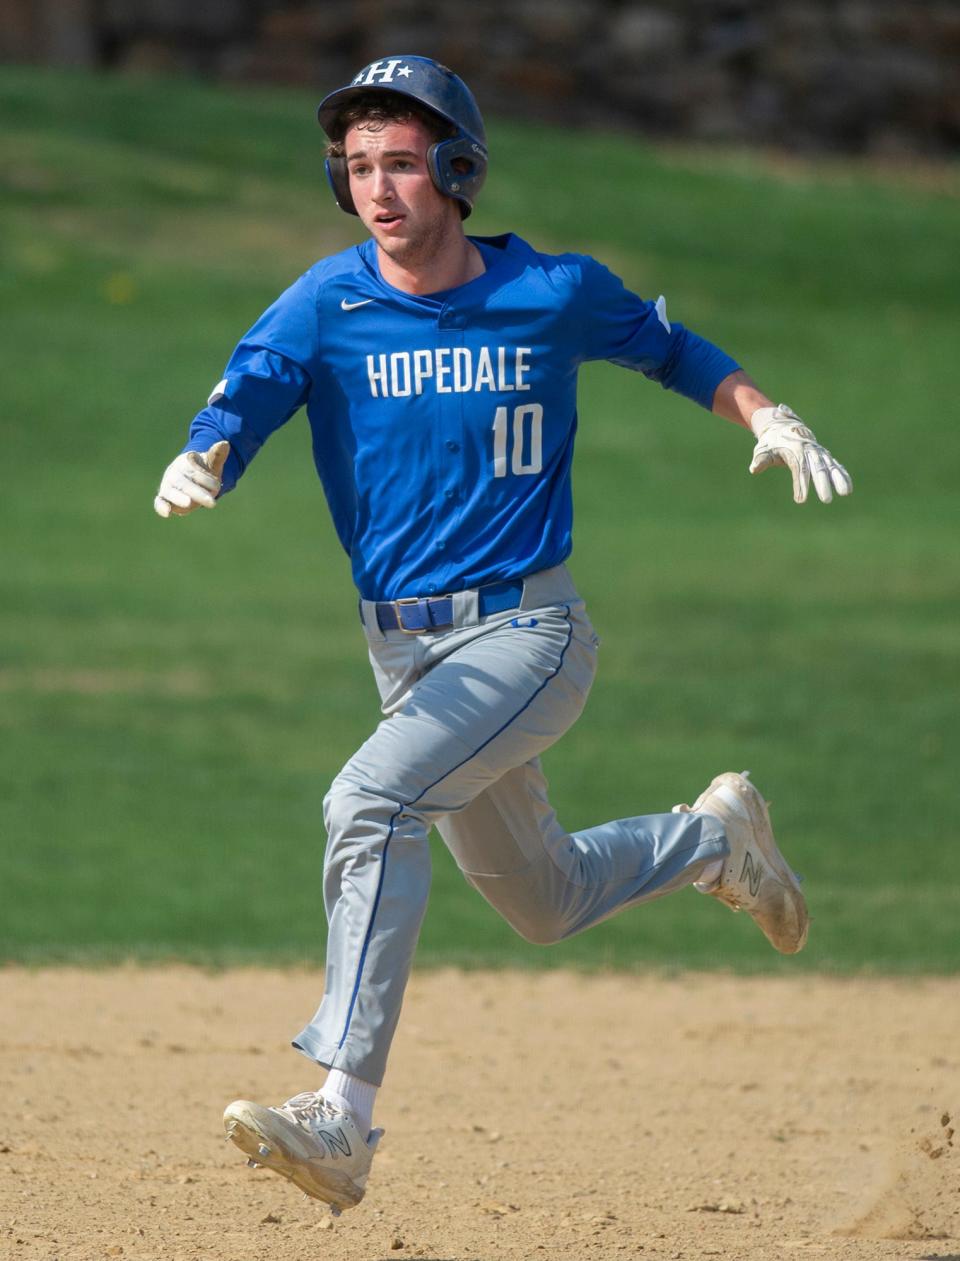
<point>410,599</point>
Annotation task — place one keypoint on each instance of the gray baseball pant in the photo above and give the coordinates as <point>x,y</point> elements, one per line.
<point>468,712</point>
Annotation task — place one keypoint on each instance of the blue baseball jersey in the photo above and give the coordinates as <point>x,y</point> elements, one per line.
<point>443,425</point>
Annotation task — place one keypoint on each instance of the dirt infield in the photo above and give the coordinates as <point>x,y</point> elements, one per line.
<point>527,1115</point>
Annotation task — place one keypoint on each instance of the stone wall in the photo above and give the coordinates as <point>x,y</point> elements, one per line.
<point>876,76</point>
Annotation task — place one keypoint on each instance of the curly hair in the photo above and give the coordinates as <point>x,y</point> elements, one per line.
<point>376,110</point>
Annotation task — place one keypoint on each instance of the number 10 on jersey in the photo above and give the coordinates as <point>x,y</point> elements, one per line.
<point>526,449</point>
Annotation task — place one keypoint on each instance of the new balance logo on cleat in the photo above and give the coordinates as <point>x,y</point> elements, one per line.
<point>335,1141</point>
<point>752,873</point>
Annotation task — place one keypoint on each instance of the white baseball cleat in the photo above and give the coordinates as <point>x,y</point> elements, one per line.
<point>307,1140</point>
<point>755,876</point>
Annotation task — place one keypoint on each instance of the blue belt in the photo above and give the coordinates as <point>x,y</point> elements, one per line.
<point>416,615</point>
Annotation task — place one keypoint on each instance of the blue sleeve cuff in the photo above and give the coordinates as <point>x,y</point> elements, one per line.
<point>696,368</point>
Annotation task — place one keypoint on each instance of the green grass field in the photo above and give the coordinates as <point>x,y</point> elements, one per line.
<point>176,696</point>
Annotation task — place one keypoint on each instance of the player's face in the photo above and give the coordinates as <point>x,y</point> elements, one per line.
<point>393,192</point>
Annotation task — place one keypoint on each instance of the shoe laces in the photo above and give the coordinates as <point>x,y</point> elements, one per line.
<point>310,1107</point>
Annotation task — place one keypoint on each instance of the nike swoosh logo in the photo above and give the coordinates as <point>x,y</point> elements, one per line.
<point>352,306</point>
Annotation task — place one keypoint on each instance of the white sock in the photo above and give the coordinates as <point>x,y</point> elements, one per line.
<point>709,876</point>
<point>352,1095</point>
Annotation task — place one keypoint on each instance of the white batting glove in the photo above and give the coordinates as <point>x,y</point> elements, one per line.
<point>783,438</point>
<point>191,481</point>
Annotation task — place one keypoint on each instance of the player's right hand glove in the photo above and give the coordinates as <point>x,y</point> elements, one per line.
<point>783,438</point>
<point>191,481</point>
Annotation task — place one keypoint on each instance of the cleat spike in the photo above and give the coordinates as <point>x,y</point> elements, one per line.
<point>263,1149</point>
<point>253,1164</point>
<point>334,1210</point>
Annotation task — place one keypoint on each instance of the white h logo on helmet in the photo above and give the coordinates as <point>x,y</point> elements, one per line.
<point>380,71</point>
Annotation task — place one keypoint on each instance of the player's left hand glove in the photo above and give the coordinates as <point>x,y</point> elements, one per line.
<point>783,438</point>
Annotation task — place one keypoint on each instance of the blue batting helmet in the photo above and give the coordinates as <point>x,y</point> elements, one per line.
<point>436,89</point>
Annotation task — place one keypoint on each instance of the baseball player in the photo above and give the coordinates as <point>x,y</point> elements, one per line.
<point>439,375</point>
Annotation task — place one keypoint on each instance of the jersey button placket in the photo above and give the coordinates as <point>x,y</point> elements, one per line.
<point>449,334</point>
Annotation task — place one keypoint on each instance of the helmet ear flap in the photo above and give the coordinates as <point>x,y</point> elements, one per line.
<point>339,180</point>
<point>458,167</point>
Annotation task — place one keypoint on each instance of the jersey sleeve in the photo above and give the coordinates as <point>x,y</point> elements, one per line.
<point>266,380</point>
<point>636,333</point>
